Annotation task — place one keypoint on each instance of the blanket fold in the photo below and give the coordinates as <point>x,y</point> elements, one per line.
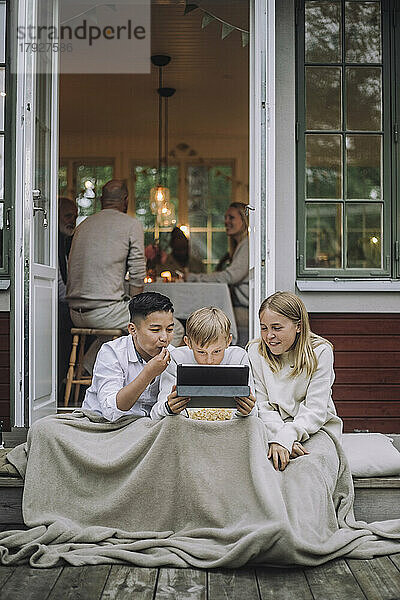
<point>183,493</point>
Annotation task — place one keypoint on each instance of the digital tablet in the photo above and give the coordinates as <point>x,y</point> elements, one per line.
<point>212,386</point>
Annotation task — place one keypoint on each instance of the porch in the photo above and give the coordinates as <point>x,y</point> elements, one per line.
<point>376,579</point>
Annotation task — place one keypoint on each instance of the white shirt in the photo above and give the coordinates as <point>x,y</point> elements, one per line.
<point>233,355</point>
<point>118,364</point>
<point>293,408</point>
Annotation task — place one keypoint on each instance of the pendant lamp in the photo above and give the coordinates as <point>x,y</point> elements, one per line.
<point>160,204</point>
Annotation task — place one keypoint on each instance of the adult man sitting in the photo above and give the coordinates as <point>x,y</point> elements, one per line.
<point>67,214</point>
<point>105,246</point>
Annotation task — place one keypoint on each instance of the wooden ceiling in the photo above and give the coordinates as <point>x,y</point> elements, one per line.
<point>209,74</point>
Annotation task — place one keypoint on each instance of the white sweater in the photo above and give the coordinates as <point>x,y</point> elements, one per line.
<point>293,408</point>
<point>184,355</point>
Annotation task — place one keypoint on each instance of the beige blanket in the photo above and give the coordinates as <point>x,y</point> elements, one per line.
<point>182,493</point>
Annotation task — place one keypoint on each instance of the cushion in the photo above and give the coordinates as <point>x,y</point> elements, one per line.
<point>371,454</point>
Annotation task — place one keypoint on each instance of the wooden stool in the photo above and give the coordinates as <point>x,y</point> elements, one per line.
<point>74,375</point>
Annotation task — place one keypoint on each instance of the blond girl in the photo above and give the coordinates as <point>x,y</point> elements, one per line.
<point>293,376</point>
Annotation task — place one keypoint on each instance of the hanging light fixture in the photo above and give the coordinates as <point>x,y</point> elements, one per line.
<point>160,204</point>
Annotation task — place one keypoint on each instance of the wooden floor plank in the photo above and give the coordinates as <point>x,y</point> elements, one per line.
<point>181,584</point>
<point>282,584</point>
<point>130,582</point>
<point>333,580</point>
<point>25,582</point>
<point>395,558</point>
<point>378,578</point>
<point>226,584</point>
<point>80,583</point>
<point>5,573</point>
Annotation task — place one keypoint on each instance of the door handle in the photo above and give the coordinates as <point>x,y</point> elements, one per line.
<point>44,211</point>
<point>248,208</point>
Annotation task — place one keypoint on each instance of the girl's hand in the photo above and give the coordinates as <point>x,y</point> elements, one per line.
<point>245,404</point>
<point>298,450</point>
<point>279,455</point>
<point>176,403</point>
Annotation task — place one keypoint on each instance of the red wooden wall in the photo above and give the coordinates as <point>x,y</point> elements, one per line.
<point>367,366</point>
<point>5,369</point>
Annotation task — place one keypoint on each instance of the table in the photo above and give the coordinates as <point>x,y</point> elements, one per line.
<point>188,297</point>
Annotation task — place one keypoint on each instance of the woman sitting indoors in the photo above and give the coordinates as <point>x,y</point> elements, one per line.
<point>233,268</point>
<point>293,376</point>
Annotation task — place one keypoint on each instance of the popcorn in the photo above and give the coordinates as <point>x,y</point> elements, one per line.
<point>211,414</point>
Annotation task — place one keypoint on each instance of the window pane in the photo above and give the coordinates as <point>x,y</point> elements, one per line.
<point>323,41</point>
<point>146,177</point>
<point>364,102</point>
<point>364,235</point>
<point>1,233</point>
<point>98,176</point>
<point>219,245</point>
<point>323,166</point>
<point>363,32</point>
<point>198,244</point>
<point>2,95</point>
<point>323,235</point>
<point>2,32</point>
<point>323,98</point>
<point>62,180</point>
<point>2,167</point>
<point>197,182</point>
<point>364,167</point>
<point>220,193</point>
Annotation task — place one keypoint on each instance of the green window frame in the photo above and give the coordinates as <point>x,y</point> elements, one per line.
<point>347,215</point>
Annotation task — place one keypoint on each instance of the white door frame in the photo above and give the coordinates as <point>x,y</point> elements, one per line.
<point>26,272</point>
<point>261,157</point>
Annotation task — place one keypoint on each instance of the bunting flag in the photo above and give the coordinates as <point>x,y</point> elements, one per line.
<point>209,17</point>
<point>190,7</point>
<point>226,30</point>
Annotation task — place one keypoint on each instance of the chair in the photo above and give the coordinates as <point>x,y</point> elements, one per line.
<point>75,371</point>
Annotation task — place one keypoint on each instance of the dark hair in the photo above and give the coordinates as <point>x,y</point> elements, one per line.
<point>148,302</point>
<point>114,191</point>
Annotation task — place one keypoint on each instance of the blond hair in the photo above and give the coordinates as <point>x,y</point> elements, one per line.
<point>242,210</point>
<point>206,325</point>
<point>289,305</point>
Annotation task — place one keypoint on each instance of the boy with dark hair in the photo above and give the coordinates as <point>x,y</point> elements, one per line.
<point>127,370</point>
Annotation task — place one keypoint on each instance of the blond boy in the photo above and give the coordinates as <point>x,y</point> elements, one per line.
<point>207,342</point>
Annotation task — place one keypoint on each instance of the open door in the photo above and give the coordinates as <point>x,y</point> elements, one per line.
<point>262,158</point>
<point>36,222</point>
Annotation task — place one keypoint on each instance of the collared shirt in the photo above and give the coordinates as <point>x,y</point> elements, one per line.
<point>234,355</point>
<point>118,364</point>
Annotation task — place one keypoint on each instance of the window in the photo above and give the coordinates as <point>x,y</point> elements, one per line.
<point>73,174</point>
<point>4,141</point>
<point>200,194</point>
<point>346,141</point>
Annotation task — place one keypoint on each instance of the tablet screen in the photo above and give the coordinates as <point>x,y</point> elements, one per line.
<point>215,375</point>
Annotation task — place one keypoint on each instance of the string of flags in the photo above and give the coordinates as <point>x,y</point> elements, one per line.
<point>209,17</point>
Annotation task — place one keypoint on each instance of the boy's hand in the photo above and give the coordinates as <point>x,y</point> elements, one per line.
<point>279,455</point>
<point>298,450</point>
<point>158,363</point>
<point>176,403</point>
<point>245,404</point>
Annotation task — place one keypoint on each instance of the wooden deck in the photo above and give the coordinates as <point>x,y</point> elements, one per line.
<point>376,579</point>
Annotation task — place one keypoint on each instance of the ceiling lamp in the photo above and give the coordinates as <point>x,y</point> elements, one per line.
<point>160,204</point>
